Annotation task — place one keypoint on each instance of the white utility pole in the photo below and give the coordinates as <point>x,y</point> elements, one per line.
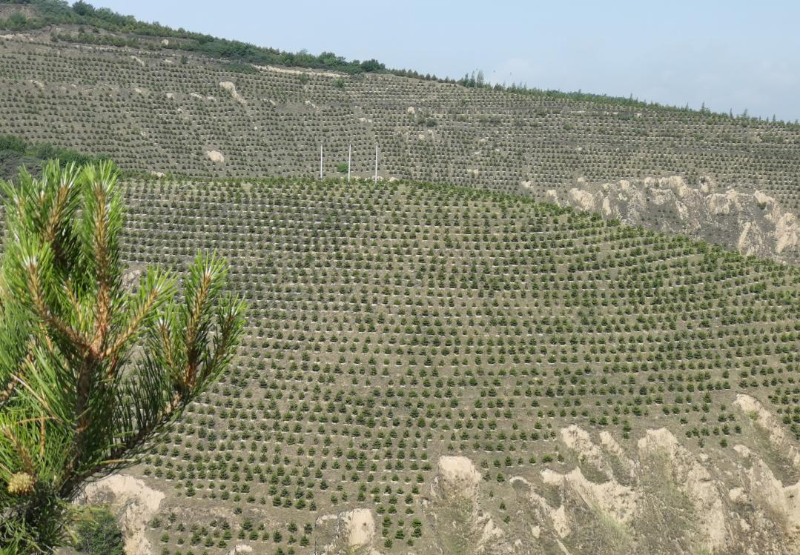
<point>349,158</point>
<point>320,161</point>
<point>376,163</point>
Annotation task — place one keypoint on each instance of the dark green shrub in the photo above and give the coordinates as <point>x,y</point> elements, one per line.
<point>99,534</point>
<point>14,144</point>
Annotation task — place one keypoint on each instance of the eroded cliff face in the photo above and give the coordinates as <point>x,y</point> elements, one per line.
<point>133,503</point>
<point>348,532</point>
<point>656,495</point>
<point>750,223</point>
<point>459,516</point>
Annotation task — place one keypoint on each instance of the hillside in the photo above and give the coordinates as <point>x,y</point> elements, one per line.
<point>392,325</point>
<point>166,111</point>
<point>558,324</point>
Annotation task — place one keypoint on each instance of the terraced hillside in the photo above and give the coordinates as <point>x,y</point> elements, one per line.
<point>150,111</point>
<point>394,324</point>
<point>162,111</point>
<point>446,368</point>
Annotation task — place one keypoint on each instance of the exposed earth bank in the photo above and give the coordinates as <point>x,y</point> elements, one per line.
<point>750,223</point>
<point>654,494</point>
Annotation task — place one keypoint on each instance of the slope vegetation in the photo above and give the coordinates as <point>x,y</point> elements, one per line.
<point>396,324</point>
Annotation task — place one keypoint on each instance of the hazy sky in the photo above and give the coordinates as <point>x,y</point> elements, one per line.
<point>727,54</point>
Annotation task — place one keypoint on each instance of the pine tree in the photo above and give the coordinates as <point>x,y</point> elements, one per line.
<point>77,399</point>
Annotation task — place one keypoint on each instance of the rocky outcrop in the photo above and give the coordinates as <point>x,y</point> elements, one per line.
<point>347,532</point>
<point>133,503</point>
<point>690,477</point>
<point>240,550</point>
<point>750,223</point>
<point>215,156</point>
<point>654,495</point>
<point>231,88</point>
<point>769,427</point>
<point>456,513</point>
<point>457,478</point>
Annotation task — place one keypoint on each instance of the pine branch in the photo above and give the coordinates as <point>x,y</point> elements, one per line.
<point>102,317</point>
<point>230,323</point>
<point>46,315</point>
<point>58,211</point>
<point>153,291</point>
<point>195,325</point>
<point>22,451</point>
<point>42,402</point>
<point>74,303</point>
